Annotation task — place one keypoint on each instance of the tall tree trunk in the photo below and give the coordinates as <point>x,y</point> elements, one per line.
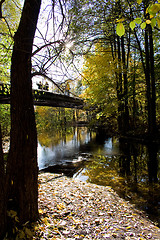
<point>147,77</point>
<point>134,92</point>
<point>3,210</point>
<point>22,170</point>
<point>120,89</point>
<point>150,76</point>
<point>125,99</point>
<point>150,81</point>
<point>153,89</point>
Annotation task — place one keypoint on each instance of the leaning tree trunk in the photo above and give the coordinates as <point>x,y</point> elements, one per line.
<point>22,170</point>
<point>3,211</point>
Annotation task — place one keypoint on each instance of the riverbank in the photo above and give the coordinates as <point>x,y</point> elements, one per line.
<point>71,209</point>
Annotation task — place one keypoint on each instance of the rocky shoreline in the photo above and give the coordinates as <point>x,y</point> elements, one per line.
<point>72,209</point>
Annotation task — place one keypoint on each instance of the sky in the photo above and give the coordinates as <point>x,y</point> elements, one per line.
<point>49,28</point>
<point>58,71</point>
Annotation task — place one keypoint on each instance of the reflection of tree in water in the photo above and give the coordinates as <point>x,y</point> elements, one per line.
<point>142,174</point>
<point>64,134</point>
<point>152,163</point>
<point>133,174</point>
<point>154,189</point>
<point>124,159</point>
<point>51,138</point>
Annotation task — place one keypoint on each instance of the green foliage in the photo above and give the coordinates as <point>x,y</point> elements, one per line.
<point>153,9</point>
<point>132,25</point>
<point>120,30</point>
<point>11,11</point>
<point>143,25</point>
<point>48,117</point>
<point>101,71</point>
<point>88,20</point>
<point>5,119</point>
<point>153,18</point>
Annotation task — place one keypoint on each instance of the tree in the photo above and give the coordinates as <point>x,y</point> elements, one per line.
<point>100,85</point>
<point>100,25</point>
<point>9,16</point>
<point>22,170</point>
<point>3,205</point>
<point>147,19</point>
<point>8,22</point>
<point>150,76</point>
<point>103,21</point>
<point>21,188</point>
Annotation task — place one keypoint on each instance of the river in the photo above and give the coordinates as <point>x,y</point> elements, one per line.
<point>131,169</point>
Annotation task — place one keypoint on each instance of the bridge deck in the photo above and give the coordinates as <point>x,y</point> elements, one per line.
<point>44,98</point>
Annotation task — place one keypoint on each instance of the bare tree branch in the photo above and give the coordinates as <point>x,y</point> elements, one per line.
<point>46,45</point>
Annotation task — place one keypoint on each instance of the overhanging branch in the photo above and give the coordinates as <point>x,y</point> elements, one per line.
<point>46,45</point>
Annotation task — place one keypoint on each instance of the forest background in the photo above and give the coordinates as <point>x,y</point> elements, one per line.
<point>119,79</point>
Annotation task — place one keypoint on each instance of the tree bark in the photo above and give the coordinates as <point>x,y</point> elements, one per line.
<point>150,76</point>
<point>147,77</point>
<point>22,170</point>
<point>125,99</point>
<point>3,208</point>
<point>134,92</point>
<point>119,90</point>
<point>153,84</point>
<point>150,81</point>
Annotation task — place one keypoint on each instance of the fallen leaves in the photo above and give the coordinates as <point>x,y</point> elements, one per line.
<point>71,209</point>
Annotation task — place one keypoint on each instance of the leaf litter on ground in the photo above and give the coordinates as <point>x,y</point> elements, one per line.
<point>72,209</point>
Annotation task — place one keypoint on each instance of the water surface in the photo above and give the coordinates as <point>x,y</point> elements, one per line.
<point>132,169</point>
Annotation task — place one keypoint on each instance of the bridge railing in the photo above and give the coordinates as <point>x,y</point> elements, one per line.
<point>44,98</point>
<point>57,89</point>
<point>38,93</point>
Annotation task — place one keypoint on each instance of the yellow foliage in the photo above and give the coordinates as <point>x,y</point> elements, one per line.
<point>8,25</point>
<point>11,14</point>
<point>100,81</point>
<point>40,211</point>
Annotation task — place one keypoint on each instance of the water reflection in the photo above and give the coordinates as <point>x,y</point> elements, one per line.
<point>132,169</point>
<point>64,149</point>
<point>152,163</point>
<point>133,174</point>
